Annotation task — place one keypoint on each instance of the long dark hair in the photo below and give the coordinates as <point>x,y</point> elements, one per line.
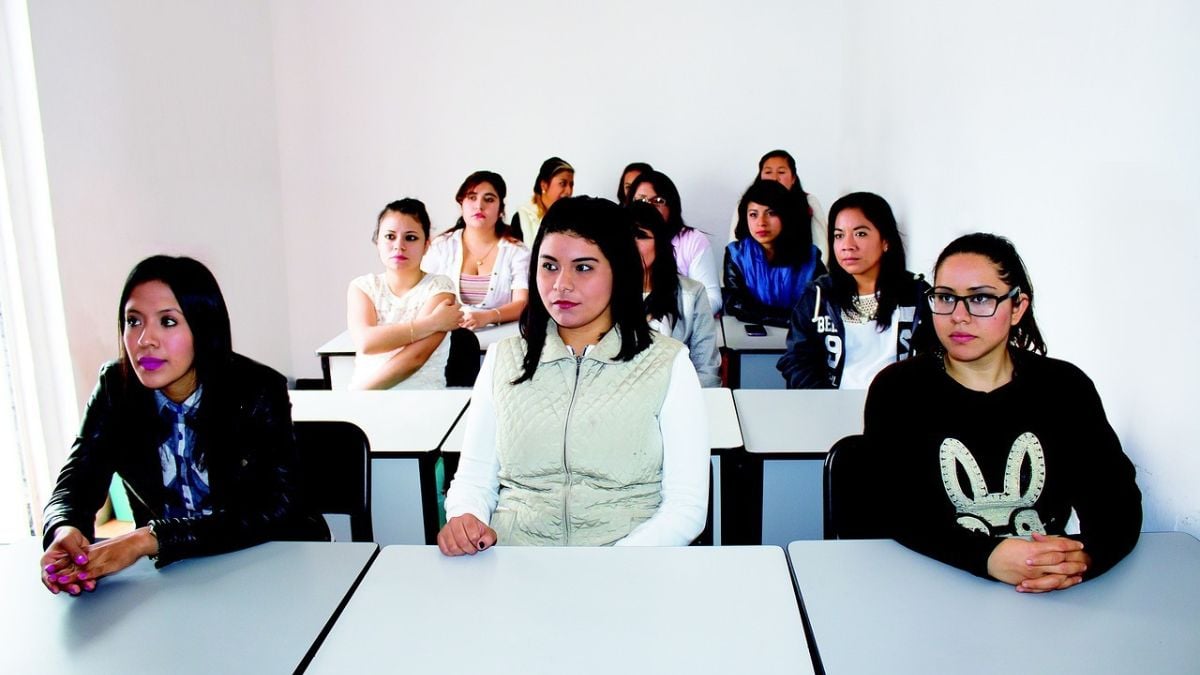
<point>894,277</point>
<point>408,206</point>
<point>608,226</point>
<point>664,277</point>
<point>664,187</point>
<point>1025,335</point>
<point>640,167</point>
<point>201,303</point>
<point>791,162</point>
<point>793,246</point>
<point>475,180</point>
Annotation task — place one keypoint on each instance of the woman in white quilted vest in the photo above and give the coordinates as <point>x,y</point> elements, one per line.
<point>581,431</point>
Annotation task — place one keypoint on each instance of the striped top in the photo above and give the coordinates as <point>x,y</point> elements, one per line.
<point>473,289</point>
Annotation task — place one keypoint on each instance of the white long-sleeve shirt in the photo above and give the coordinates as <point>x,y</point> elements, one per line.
<point>683,511</point>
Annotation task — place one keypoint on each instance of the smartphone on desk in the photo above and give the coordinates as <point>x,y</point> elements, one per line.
<point>756,330</point>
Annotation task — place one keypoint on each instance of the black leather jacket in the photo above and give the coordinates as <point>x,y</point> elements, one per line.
<point>243,432</point>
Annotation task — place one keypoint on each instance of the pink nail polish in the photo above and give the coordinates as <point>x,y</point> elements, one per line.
<point>63,579</point>
<point>81,559</point>
<point>49,568</point>
<point>82,576</point>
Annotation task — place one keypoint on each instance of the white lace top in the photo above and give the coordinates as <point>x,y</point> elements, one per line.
<point>390,308</point>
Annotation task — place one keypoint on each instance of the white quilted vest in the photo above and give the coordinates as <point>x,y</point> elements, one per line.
<point>579,445</point>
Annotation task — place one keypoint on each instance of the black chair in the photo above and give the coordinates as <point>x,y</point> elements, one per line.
<point>462,366</point>
<point>849,497</point>
<point>335,472</point>
<point>705,538</point>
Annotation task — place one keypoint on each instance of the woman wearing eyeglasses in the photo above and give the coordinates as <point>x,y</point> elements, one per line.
<point>987,445</point>
<point>866,313</point>
<point>693,255</point>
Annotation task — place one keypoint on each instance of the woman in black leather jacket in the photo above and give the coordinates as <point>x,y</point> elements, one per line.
<point>201,436</point>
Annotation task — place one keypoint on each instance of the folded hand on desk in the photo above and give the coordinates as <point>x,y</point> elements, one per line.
<point>73,564</point>
<point>465,535</point>
<point>1048,563</point>
<point>63,562</point>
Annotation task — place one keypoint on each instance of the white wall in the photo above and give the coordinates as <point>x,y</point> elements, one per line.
<point>265,136</point>
<point>1071,128</point>
<point>159,121</point>
<point>381,100</point>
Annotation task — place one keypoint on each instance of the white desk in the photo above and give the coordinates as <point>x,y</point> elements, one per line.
<point>791,431</point>
<point>337,355</point>
<point>724,433</point>
<point>572,610</point>
<point>875,606</point>
<point>259,610</point>
<point>752,359</point>
<point>405,429</point>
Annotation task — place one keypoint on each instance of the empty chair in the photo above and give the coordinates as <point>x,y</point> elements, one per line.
<point>335,472</point>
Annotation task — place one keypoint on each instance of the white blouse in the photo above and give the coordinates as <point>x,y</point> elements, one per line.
<point>509,273</point>
<point>391,308</point>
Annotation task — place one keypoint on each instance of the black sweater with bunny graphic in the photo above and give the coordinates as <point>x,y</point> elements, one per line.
<point>960,469</point>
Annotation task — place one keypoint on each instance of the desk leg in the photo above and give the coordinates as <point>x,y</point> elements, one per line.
<point>325,371</point>
<point>741,498</point>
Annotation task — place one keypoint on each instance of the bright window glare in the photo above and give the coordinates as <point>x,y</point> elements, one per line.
<point>14,494</point>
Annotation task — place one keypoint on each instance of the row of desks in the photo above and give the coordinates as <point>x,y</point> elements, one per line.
<point>751,359</point>
<point>844,607</point>
<point>768,449</point>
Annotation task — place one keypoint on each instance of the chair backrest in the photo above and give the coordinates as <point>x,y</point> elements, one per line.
<point>462,366</point>
<point>705,538</point>
<point>335,472</point>
<point>849,498</point>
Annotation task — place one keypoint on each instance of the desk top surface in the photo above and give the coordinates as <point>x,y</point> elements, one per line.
<point>579,610</point>
<point>723,430</point>
<point>394,421</point>
<point>734,332</point>
<point>876,606</point>
<point>343,344</point>
<point>258,610</point>
<point>798,420</point>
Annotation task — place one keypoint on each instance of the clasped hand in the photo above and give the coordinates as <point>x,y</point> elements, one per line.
<point>1048,563</point>
<point>73,564</point>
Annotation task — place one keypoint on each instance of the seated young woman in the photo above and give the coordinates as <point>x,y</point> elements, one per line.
<point>675,305</point>
<point>866,313</point>
<point>693,255</point>
<point>630,174</point>
<point>487,263</point>
<point>581,430</point>
<point>555,180</point>
<point>773,259</point>
<point>201,436</point>
<point>398,318</point>
<point>986,445</point>
<point>780,166</point>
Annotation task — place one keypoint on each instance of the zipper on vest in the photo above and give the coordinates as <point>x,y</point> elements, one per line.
<point>566,466</point>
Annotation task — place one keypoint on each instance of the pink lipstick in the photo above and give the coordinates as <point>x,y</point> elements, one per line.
<point>150,363</point>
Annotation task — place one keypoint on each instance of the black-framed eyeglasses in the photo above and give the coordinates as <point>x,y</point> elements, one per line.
<point>981,305</point>
<point>657,201</point>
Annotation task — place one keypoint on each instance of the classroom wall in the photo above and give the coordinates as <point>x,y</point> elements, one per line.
<point>1071,128</point>
<point>265,136</point>
<point>379,100</point>
<point>159,121</point>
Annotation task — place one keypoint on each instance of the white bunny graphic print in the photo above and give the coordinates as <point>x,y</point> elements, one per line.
<point>1007,513</point>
